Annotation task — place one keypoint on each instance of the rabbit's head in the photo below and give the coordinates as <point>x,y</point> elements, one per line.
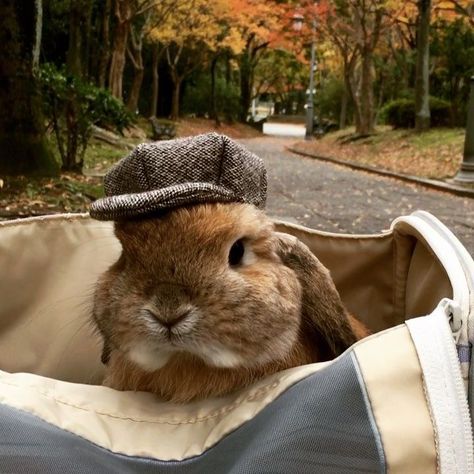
<point>212,289</point>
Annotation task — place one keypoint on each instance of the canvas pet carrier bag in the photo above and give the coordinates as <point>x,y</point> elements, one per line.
<point>399,401</point>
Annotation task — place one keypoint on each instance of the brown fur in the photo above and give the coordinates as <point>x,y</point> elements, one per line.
<point>187,377</point>
<point>279,309</point>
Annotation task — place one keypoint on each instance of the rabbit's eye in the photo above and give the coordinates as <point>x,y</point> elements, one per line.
<point>236,252</point>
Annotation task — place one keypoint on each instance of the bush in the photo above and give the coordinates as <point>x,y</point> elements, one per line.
<point>400,113</point>
<point>328,99</point>
<point>440,112</point>
<point>72,108</point>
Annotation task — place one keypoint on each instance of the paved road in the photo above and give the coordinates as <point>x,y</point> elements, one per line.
<point>334,198</point>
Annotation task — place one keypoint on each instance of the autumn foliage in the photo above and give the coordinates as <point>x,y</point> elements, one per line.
<point>220,59</point>
<point>152,52</point>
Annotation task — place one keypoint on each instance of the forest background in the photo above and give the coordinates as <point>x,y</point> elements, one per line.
<point>70,66</point>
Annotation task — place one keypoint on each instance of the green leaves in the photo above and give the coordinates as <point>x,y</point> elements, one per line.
<point>73,106</point>
<point>400,113</point>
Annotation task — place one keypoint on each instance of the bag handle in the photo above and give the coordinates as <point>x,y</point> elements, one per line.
<point>457,263</point>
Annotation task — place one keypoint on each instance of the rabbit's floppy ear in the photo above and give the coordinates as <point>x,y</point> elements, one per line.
<point>323,313</point>
<point>106,350</point>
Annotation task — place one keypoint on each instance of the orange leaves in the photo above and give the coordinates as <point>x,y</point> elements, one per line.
<point>256,20</point>
<point>450,10</point>
<point>228,24</point>
<point>199,23</point>
<point>353,25</point>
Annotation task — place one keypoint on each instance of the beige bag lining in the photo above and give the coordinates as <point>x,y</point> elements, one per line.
<point>383,279</point>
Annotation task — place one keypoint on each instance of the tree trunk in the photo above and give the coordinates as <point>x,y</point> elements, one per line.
<point>87,39</point>
<point>38,33</point>
<point>135,52</point>
<point>72,144</point>
<point>366,99</point>
<point>343,112</point>
<point>245,86</point>
<point>134,96</point>
<point>80,13</point>
<point>348,90</point>
<point>155,84</point>
<point>351,88</point>
<point>175,98</point>
<point>213,108</point>
<point>228,70</point>
<point>117,64</point>
<point>105,44</point>
<point>380,99</point>
<point>73,55</point>
<point>422,93</point>
<point>23,147</point>
<point>456,102</point>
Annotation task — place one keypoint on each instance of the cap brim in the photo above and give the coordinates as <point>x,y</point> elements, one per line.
<point>127,206</point>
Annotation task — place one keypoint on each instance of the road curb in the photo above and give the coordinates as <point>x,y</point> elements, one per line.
<point>429,183</point>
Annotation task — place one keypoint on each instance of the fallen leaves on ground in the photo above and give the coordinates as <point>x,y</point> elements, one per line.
<point>21,196</point>
<point>436,154</point>
<point>196,126</point>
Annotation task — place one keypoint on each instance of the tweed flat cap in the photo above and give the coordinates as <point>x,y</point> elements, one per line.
<point>163,175</point>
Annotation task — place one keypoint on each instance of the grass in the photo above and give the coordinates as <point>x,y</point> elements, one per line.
<point>100,156</point>
<point>21,196</point>
<point>436,153</point>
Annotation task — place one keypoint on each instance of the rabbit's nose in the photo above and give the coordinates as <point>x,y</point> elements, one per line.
<point>171,320</point>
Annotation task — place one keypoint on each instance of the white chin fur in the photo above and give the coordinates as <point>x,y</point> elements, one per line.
<point>148,358</point>
<point>220,357</point>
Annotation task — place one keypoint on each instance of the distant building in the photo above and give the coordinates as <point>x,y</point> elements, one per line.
<point>277,101</point>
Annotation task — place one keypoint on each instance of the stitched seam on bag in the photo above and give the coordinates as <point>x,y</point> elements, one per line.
<point>46,219</point>
<point>433,423</point>
<point>430,411</point>
<point>370,408</point>
<point>394,274</point>
<point>82,436</point>
<point>452,434</point>
<point>400,242</point>
<point>222,411</point>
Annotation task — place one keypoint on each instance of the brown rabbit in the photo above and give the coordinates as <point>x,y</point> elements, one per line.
<point>209,298</point>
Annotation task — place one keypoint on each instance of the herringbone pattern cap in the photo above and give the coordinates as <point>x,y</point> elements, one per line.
<point>162,175</point>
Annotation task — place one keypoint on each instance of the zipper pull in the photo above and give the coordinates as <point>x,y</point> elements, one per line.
<point>454,313</point>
